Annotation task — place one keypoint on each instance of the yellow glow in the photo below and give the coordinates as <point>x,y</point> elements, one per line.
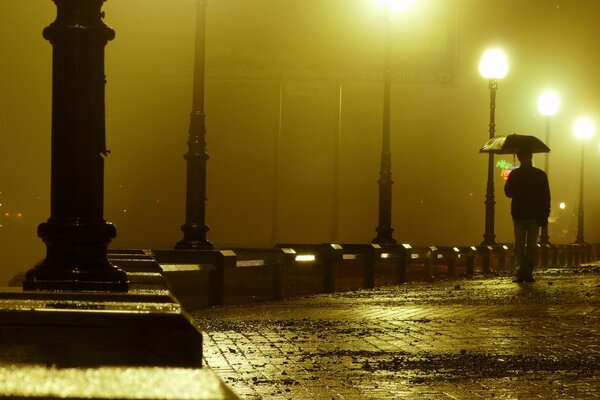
<point>583,128</point>
<point>305,257</point>
<point>385,255</point>
<point>548,103</point>
<point>396,5</point>
<point>562,205</point>
<point>493,64</point>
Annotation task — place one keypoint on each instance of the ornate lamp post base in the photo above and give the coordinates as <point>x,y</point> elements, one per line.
<point>384,236</point>
<point>76,259</point>
<point>194,238</point>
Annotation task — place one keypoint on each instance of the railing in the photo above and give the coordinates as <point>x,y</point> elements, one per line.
<point>240,275</point>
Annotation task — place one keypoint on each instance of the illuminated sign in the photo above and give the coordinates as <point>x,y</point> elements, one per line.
<point>506,167</point>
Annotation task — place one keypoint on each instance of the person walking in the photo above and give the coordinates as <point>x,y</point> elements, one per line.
<point>529,190</point>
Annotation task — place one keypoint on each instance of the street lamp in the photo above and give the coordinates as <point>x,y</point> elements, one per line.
<point>493,66</point>
<point>583,129</point>
<point>76,235</point>
<point>384,229</point>
<point>195,228</point>
<point>548,104</point>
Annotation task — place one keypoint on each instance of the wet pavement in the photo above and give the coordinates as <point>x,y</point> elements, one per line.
<point>481,337</point>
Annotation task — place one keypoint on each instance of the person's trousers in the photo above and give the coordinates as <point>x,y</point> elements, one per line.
<point>526,234</point>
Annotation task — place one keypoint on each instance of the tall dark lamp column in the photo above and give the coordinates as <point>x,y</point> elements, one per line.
<point>195,228</point>
<point>76,235</point>
<point>583,129</point>
<point>493,66</point>
<point>548,104</point>
<point>384,229</point>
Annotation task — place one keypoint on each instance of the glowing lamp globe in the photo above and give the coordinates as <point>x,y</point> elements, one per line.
<point>548,103</point>
<point>493,64</point>
<point>583,128</point>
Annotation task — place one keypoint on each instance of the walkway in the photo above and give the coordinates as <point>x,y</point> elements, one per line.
<point>464,339</point>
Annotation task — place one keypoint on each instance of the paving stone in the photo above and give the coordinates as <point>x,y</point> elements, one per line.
<point>477,338</point>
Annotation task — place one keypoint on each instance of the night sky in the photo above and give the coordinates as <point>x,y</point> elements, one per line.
<point>294,118</point>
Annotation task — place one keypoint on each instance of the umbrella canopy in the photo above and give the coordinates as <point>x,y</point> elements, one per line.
<point>512,144</point>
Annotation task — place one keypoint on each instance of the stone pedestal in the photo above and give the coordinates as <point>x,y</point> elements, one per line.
<point>75,329</point>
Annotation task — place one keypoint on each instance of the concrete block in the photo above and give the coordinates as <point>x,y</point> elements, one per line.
<point>89,329</point>
<point>27,381</point>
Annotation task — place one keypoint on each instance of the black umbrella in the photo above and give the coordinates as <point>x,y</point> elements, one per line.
<point>512,144</point>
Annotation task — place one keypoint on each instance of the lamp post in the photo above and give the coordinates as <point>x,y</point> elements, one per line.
<point>195,228</point>
<point>493,66</point>
<point>548,104</point>
<point>384,229</point>
<point>76,235</point>
<point>583,129</point>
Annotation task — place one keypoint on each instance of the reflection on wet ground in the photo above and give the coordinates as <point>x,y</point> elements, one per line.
<point>483,337</point>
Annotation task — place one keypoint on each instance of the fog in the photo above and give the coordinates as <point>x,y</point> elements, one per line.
<point>294,118</point>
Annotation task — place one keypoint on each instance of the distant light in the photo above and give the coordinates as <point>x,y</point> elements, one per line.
<point>548,103</point>
<point>7,215</point>
<point>396,5</point>
<point>493,64</point>
<point>385,255</point>
<point>583,128</point>
<point>562,205</point>
<point>125,211</point>
<point>19,215</point>
<point>305,257</point>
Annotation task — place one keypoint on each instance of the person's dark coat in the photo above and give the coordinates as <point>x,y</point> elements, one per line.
<point>530,192</point>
